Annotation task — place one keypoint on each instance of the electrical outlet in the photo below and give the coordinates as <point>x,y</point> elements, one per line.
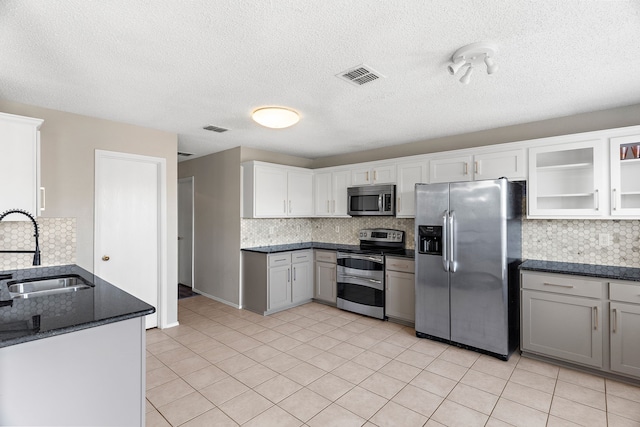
<point>604,239</point>
<point>337,228</point>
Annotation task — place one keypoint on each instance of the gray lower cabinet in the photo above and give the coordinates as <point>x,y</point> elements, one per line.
<point>582,320</point>
<point>275,282</point>
<point>400,301</point>
<point>625,328</point>
<point>325,276</point>
<point>561,326</point>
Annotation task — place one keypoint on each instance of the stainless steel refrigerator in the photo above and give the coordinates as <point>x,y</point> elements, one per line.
<point>468,248</point>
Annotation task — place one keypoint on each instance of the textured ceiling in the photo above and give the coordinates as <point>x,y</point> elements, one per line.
<point>179,65</point>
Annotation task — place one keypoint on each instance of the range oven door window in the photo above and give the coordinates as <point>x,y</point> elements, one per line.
<point>361,264</point>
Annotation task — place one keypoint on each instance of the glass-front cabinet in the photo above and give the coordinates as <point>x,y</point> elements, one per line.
<point>568,180</point>
<point>625,175</point>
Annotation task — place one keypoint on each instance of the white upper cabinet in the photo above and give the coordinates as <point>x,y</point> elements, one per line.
<point>300,193</point>
<point>568,180</point>
<point>451,169</point>
<point>20,171</point>
<point>510,164</point>
<point>625,175</point>
<point>409,174</point>
<point>380,174</point>
<point>331,192</point>
<point>275,191</point>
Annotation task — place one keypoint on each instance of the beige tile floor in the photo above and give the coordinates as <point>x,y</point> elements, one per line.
<point>316,365</point>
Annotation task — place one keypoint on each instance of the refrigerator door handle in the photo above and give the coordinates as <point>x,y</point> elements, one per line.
<point>452,238</point>
<point>445,244</point>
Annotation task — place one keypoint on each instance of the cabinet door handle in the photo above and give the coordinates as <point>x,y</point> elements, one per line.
<point>399,210</point>
<point>288,275</point>
<point>284,206</point>
<point>597,199</point>
<point>466,168</point>
<point>294,273</point>
<point>614,199</point>
<point>614,314</point>
<point>387,279</point>
<point>289,206</point>
<point>595,318</point>
<point>328,211</point>
<point>375,175</point>
<point>367,177</point>
<point>333,206</point>
<point>476,168</point>
<point>559,286</point>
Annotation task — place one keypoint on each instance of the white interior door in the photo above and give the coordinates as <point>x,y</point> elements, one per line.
<point>128,217</point>
<point>185,231</point>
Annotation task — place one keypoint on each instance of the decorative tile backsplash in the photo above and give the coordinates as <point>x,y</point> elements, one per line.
<point>578,241</point>
<point>551,240</point>
<point>264,232</point>
<point>57,242</point>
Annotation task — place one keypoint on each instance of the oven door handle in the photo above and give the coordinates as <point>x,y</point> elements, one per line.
<point>361,278</point>
<point>379,259</point>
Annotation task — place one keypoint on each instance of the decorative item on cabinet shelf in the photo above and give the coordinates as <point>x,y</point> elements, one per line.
<point>630,151</point>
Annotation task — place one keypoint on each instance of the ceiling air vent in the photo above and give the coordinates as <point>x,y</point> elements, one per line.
<point>215,128</point>
<point>183,154</point>
<point>359,75</point>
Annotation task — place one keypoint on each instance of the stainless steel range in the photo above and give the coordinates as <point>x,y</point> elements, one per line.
<point>360,273</point>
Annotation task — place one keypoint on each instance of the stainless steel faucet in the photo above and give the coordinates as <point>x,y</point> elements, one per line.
<point>36,252</point>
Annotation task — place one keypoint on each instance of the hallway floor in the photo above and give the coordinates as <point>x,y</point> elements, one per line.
<point>318,366</point>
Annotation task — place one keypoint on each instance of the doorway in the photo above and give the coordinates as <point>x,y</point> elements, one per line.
<point>185,231</point>
<point>130,225</point>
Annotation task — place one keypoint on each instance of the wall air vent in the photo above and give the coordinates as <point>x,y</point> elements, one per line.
<point>213,128</point>
<point>359,75</point>
<point>183,154</point>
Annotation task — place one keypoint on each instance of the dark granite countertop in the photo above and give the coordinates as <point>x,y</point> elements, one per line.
<point>589,270</point>
<point>407,253</point>
<point>38,317</point>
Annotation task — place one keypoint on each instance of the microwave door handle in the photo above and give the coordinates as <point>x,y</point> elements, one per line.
<point>445,246</point>
<point>380,202</point>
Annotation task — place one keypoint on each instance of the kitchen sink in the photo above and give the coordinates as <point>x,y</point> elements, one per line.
<point>46,286</point>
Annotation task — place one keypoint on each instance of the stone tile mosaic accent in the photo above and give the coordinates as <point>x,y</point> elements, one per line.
<point>578,241</point>
<point>264,232</point>
<point>57,242</point>
<point>548,240</point>
<point>276,231</point>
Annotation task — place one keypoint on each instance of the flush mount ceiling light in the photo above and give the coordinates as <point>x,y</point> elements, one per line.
<point>471,56</point>
<point>275,117</point>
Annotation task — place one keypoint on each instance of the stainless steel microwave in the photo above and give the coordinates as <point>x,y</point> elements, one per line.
<point>372,200</point>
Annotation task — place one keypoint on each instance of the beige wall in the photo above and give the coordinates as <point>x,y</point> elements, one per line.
<point>216,223</point>
<point>68,144</point>
<point>606,119</point>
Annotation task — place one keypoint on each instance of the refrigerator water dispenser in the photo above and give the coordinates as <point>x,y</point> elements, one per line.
<point>430,239</point>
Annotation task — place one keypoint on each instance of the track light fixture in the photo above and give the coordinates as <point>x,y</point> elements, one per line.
<point>471,56</point>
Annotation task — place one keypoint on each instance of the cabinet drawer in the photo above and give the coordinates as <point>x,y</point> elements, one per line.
<point>562,284</point>
<point>301,256</point>
<point>405,265</point>
<point>625,292</point>
<point>276,260</point>
<point>326,256</point>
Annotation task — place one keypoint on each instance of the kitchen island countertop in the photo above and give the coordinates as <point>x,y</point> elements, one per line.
<point>23,320</point>
<point>589,270</point>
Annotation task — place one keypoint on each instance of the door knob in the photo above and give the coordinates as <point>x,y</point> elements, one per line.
<point>105,258</point>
